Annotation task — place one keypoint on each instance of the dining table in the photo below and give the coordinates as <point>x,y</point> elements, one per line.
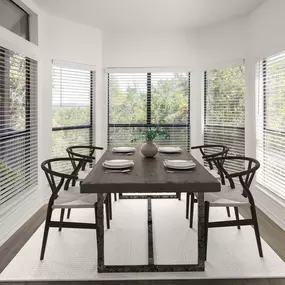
<point>149,175</point>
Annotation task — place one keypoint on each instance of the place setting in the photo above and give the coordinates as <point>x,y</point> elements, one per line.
<point>118,166</point>
<point>178,165</point>
<point>164,150</point>
<point>124,150</point>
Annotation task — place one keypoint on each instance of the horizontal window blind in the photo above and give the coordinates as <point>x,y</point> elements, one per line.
<point>271,123</point>
<point>224,110</point>
<point>137,101</point>
<point>72,106</point>
<point>18,127</point>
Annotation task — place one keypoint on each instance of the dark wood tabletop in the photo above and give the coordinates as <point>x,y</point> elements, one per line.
<point>149,175</point>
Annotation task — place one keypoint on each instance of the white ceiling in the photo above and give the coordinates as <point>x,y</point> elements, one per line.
<point>149,14</point>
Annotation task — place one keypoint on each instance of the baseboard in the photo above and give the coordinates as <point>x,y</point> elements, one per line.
<point>271,206</point>
<point>16,217</point>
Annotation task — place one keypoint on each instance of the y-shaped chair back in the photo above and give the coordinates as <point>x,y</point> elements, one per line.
<point>211,151</point>
<point>86,153</point>
<point>245,176</point>
<point>58,179</point>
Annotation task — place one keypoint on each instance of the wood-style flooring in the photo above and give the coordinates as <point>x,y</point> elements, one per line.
<point>270,232</point>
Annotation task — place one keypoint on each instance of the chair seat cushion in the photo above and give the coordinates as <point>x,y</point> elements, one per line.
<point>83,173</point>
<point>213,172</point>
<point>72,198</point>
<point>227,197</point>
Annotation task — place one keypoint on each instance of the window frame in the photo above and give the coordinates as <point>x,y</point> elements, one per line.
<point>27,22</point>
<point>219,127</point>
<point>148,123</point>
<point>90,126</point>
<point>28,132</point>
<point>264,131</point>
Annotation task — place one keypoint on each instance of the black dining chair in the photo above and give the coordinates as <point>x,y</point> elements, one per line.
<point>208,153</point>
<point>87,153</point>
<point>235,195</point>
<point>84,152</point>
<point>66,196</point>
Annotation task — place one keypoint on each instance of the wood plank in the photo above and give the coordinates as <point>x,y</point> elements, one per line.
<point>14,244</point>
<point>149,175</point>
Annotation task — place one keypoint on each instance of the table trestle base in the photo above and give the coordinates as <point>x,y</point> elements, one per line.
<point>151,268</point>
<point>146,196</point>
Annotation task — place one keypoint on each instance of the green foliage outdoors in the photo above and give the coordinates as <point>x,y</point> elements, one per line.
<point>8,178</point>
<point>169,99</point>
<point>150,134</point>
<point>15,118</point>
<point>17,94</point>
<point>128,105</point>
<point>225,97</point>
<point>275,106</point>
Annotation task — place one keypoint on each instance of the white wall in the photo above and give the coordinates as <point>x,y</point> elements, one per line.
<point>149,49</point>
<point>223,43</point>
<point>267,29</point>
<point>61,40</point>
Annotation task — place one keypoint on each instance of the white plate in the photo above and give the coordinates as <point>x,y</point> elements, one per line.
<point>118,163</point>
<point>170,149</point>
<point>179,164</point>
<point>123,149</point>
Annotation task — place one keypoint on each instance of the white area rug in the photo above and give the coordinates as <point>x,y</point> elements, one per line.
<point>71,254</point>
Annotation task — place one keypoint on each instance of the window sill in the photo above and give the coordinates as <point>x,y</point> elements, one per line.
<point>272,205</point>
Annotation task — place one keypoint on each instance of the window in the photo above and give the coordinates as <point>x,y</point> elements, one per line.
<point>224,110</point>
<point>14,18</point>
<point>141,100</point>
<point>72,100</point>
<point>18,126</point>
<point>271,124</point>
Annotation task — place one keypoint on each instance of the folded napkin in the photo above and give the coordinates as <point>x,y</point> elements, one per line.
<point>179,163</point>
<point>118,162</point>
<point>123,149</point>
<point>170,149</point>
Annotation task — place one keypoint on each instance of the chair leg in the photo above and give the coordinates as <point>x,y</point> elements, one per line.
<point>68,213</point>
<point>228,211</point>
<point>46,230</point>
<point>237,215</point>
<point>61,218</point>
<point>192,209</point>
<point>178,194</point>
<point>115,196</point>
<point>96,208</point>
<point>187,205</point>
<point>107,214</point>
<point>110,205</point>
<point>207,211</point>
<point>256,230</point>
